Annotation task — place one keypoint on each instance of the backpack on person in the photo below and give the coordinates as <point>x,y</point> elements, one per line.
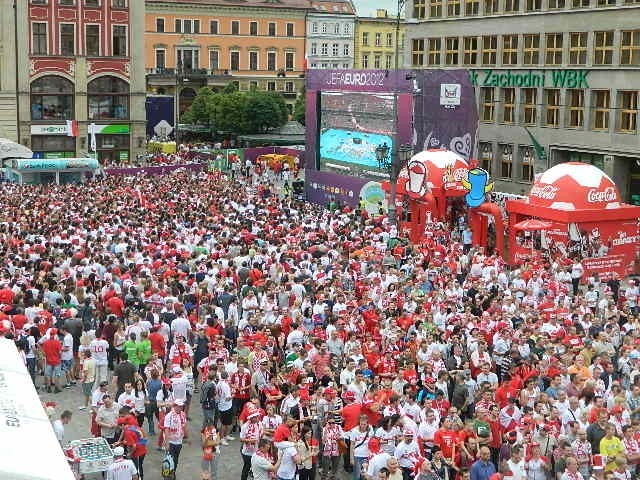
<point>168,467</point>
<point>140,440</point>
<point>208,400</point>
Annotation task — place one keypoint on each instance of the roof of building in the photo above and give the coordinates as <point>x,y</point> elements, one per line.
<point>334,6</point>
<point>291,133</point>
<point>301,4</point>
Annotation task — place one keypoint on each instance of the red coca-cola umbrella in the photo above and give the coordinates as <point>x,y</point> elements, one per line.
<point>532,225</point>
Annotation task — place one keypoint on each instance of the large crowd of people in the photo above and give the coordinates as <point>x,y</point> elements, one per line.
<point>316,337</point>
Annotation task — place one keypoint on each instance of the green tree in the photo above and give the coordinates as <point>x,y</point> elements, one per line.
<point>199,111</point>
<point>230,87</point>
<point>265,111</point>
<point>300,107</point>
<point>229,113</point>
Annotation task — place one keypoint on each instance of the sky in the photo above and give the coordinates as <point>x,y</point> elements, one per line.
<point>367,8</point>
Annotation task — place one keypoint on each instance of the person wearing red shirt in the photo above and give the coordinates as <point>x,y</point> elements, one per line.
<point>158,344</point>
<point>351,411</point>
<point>52,349</point>
<point>133,438</point>
<point>6,296</point>
<point>283,431</point>
<point>116,306</point>
<point>446,439</point>
<point>240,386</point>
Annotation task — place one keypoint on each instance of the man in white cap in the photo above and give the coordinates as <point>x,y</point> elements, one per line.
<point>121,468</point>
<point>179,383</point>
<point>175,430</point>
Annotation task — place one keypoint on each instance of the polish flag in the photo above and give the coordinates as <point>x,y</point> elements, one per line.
<point>72,128</point>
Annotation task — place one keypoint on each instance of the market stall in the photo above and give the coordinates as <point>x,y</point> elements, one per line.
<point>42,171</point>
<point>25,428</point>
<point>582,217</point>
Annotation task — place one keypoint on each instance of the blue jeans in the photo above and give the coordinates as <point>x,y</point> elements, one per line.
<point>357,466</point>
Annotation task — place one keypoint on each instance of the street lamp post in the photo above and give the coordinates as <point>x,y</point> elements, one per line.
<point>392,162</point>
<point>392,159</point>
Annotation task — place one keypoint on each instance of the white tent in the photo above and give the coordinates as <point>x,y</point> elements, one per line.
<point>30,449</point>
<point>11,149</point>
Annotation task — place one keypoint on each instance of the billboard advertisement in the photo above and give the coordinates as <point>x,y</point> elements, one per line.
<point>445,113</point>
<point>352,112</point>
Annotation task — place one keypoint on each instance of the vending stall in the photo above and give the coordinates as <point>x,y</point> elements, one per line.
<point>580,217</point>
<point>42,171</point>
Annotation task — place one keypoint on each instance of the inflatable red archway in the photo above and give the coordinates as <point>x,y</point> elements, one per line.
<point>588,220</point>
<point>428,180</point>
<point>478,219</point>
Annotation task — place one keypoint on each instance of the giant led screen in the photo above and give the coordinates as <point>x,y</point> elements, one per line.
<point>352,126</point>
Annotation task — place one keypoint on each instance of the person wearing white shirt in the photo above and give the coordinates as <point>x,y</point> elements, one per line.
<point>225,407</point>
<point>516,465</point>
<point>407,452</point>
<point>58,425</point>
<point>180,327</point>
<point>67,357</point>
<point>121,468</point>
<point>487,376</point>
<point>348,374</point>
<point>179,383</point>
<point>377,463</point>
<point>288,461</point>
<point>99,352</point>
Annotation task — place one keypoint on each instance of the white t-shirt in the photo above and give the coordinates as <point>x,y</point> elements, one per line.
<point>180,326</point>
<point>577,270</point>
<point>376,463</point>
<point>225,400</point>
<point>407,454</point>
<point>96,398</point>
<point>517,470</point>
<point>179,387</point>
<point>58,429</point>
<point>67,348</point>
<point>259,467</point>
<point>388,438</point>
<point>99,348</point>
<point>121,469</point>
<point>287,469</point>
<point>360,441</point>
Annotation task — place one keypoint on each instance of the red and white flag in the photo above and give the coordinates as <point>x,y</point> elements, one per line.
<point>72,128</point>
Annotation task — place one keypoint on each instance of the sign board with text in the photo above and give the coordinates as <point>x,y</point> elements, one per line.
<point>560,78</point>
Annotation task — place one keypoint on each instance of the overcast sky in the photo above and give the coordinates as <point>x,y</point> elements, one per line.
<point>367,8</point>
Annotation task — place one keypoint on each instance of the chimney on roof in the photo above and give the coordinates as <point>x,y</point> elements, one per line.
<point>381,13</point>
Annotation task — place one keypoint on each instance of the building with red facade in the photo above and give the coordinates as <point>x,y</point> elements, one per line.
<point>80,76</point>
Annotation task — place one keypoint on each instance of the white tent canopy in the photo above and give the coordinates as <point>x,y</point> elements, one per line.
<point>11,149</point>
<point>25,429</point>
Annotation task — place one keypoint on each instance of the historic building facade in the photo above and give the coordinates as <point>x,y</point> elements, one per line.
<point>80,82</point>
<point>8,64</point>
<point>375,41</point>
<point>564,73</point>
<point>330,35</point>
<point>256,44</point>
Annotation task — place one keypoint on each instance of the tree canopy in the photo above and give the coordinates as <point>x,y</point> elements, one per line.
<point>237,112</point>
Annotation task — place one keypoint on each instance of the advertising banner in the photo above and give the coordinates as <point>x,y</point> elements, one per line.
<point>604,247</point>
<point>54,163</point>
<point>61,129</point>
<point>358,80</point>
<point>445,113</point>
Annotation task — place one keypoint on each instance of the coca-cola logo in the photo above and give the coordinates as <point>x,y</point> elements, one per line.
<point>609,194</point>
<point>545,192</point>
